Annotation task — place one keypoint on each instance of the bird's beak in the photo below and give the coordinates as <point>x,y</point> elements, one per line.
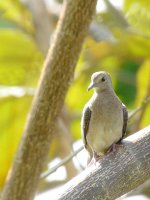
<point>91,86</point>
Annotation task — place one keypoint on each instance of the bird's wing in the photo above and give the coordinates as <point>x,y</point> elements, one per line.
<point>85,124</point>
<point>125,119</point>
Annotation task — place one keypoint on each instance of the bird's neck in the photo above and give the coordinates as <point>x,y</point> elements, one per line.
<point>104,90</point>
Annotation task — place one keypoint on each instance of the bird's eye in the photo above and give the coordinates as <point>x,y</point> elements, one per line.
<point>103,79</point>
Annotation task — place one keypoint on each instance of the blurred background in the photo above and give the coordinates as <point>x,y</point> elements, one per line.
<point>118,41</point>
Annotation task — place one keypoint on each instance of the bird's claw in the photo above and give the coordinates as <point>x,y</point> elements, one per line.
<point>114,147</point>
<point>94,159</point>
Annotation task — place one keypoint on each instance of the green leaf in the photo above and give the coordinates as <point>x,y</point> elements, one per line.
<point>143,82</point>
<point>138,14</point>
<point>126,82</point>
<point>132,46</point>
<point>20,59</point>
<point>14,11</point>
<point>128,4</point>
<point>13,113</point>
<point>143,90</point>
<point>145,119</point>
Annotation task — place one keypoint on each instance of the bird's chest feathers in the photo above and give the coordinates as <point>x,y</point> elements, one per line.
<point>106,122</point>
<point>105,108</point>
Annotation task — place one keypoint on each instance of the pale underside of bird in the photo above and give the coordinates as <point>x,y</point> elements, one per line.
<point>104,118</point>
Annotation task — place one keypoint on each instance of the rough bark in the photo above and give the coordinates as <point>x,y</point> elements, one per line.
<point>55,79</point>
<point>43,24</point>
<point>116,174</point>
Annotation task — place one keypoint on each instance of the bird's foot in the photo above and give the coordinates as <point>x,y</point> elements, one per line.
<point>92,162</point>
<point>94,159</point>
<point>114,147</point>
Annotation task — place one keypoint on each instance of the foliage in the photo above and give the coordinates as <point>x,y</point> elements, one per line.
<point>20,63</point>
<point>126,57</point>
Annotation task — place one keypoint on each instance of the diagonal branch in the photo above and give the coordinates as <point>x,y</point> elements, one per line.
<point>64,161</point>
<point>115,174</point>
<point>55,80</point>
<point>73,154</point>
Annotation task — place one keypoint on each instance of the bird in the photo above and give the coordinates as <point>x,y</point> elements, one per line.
<point>104,118</point>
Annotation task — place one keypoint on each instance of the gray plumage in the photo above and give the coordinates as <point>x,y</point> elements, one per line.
<point>104,118</point>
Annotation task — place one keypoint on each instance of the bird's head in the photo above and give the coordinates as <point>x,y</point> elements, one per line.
<point>100,81</point>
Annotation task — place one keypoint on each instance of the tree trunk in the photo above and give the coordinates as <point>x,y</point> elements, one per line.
<point>114,175</point>
<point>55,79</point>
<point>43,25</point>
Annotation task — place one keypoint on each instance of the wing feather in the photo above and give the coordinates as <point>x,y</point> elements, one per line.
<point>86,116</point>
<point>125,119</point>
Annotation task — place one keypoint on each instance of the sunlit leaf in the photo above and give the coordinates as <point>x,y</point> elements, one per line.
<point>128,4</point>
<point>98,49</point>
<point>20,59</point>
<point>138,14</point>
<point>143,82</point>
<point>145,120</point>
<point>14,11</point>
<point>13,113</point>
<point>132,46</point>
<point>143,86</point>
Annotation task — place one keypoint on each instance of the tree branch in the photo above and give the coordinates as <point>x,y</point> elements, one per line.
<point>115,174</point>
<point>144,103</point>
<point>61,163</point>
<point>73,154</point>
<point>55,79</point>
<point>42,22</point>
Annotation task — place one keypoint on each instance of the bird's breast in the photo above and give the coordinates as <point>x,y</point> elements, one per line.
<point>106,124</point>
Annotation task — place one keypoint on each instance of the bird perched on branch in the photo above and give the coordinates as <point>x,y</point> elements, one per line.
<point>104,118</point>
